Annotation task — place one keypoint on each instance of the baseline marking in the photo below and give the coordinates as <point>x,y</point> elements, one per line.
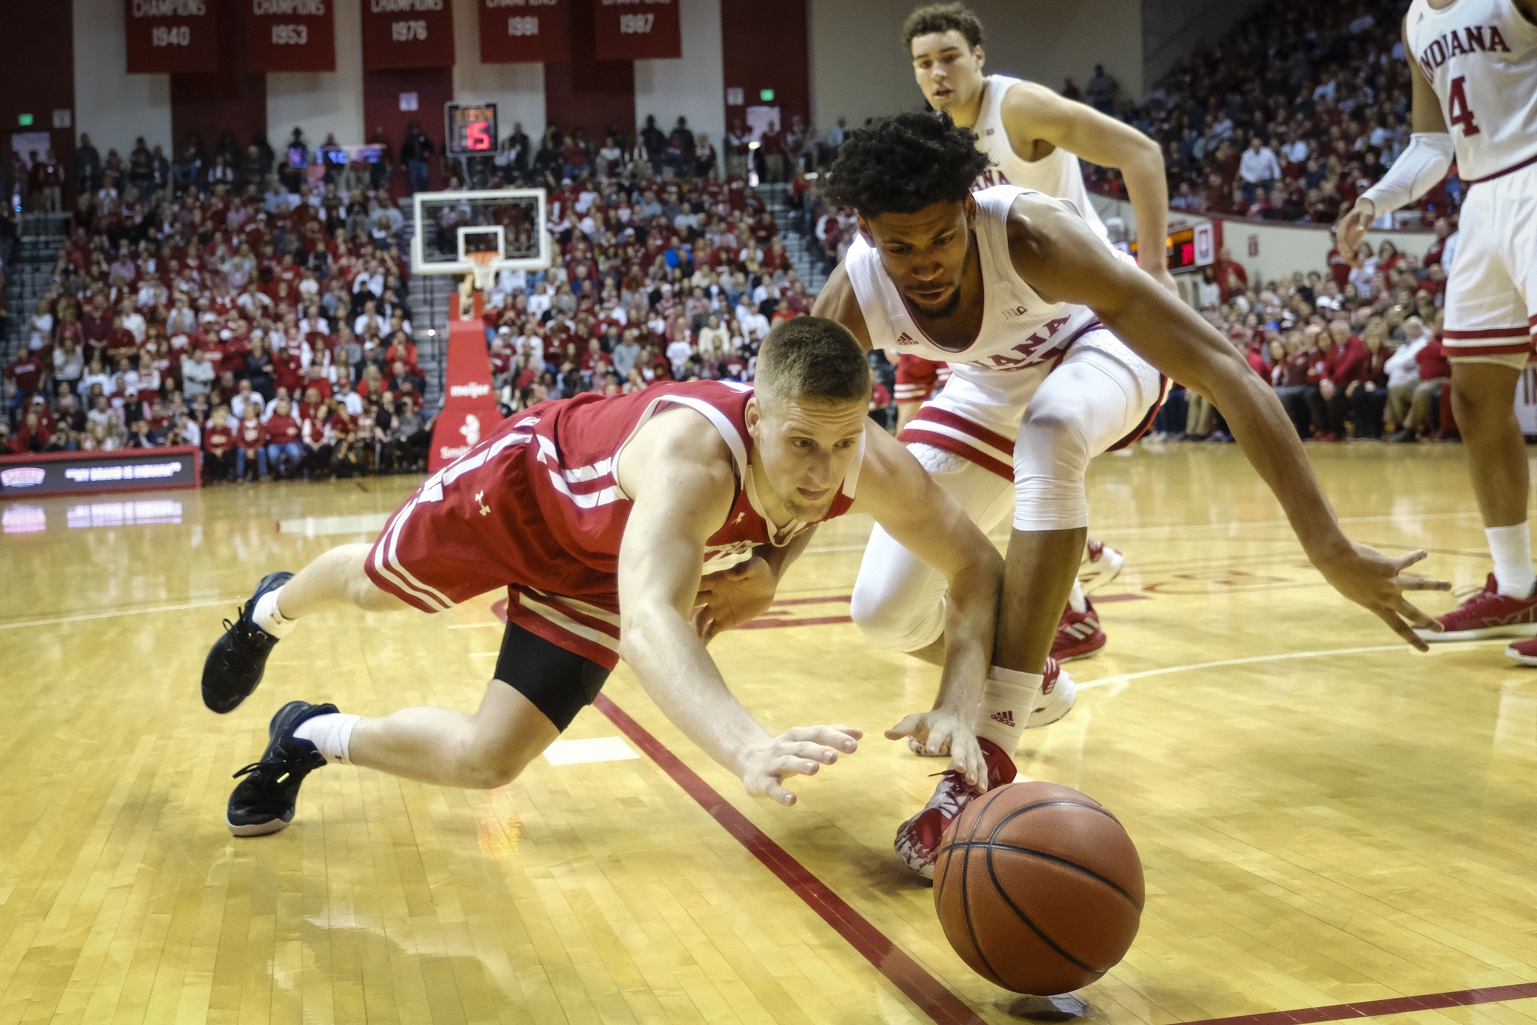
<point>931,996</point>
<point>1372,1008</point>
<point>1445,648</point>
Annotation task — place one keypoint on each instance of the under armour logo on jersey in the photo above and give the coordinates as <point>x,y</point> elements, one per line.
<point>906,339</point>
<point>1006,717</point>
<point>739,518</point>
<point>480,500</point>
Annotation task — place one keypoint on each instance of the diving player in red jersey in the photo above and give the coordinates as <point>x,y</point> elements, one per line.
<point>601,516</point>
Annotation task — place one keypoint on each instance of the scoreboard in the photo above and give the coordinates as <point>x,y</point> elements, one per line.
<point>470,129</point>
<point>1184,249</point>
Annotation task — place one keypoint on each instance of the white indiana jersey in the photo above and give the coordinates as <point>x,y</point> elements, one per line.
<point>1481,58</point>
<point>1020,330</point>
<point>1057,174</point>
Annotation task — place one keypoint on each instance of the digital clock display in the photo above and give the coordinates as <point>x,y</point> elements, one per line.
<point>470,128</point>
<point>1180,247</point>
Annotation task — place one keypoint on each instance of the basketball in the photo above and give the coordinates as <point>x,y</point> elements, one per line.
<point>1038,887</point>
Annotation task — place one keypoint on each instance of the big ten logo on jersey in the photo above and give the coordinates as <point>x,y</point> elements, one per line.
<point>988,178</point>
<point>1039,347</point>
<point>1016,311</point>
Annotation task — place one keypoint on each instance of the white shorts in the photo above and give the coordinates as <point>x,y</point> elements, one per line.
<point>1491,297</point>
<point>977,413</point>
<point>1100,396</point>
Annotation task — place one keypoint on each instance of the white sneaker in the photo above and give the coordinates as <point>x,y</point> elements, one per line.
<point>1099,566</point>
<point>1057,697</point>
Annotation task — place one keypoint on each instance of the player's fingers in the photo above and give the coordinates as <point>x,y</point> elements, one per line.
<point>1402,629</point>
<point>1404,562</point>
<point>905,728</point>
<point>806,749</point>
<point>793,765</point>
<point>778,793</point>
<point>844,738</point>
<point>1414,582</point>
<point>1418,618</point>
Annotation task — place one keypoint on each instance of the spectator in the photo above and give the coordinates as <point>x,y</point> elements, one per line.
<point>285,448</point>
<point>1102,90</point>
<point>416,152</point>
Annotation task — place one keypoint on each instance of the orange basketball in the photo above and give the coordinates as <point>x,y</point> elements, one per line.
<point>1038,887</point>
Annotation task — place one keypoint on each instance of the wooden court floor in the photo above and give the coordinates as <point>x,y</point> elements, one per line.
<point>1326,819</point>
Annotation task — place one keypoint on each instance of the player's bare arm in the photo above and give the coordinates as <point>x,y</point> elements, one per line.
<point>920,516</point>
<point>678,472</point>
<point>837,302</point>
<point>1037,117</point>
<point>1427,119</point>
<point>1064,261</point>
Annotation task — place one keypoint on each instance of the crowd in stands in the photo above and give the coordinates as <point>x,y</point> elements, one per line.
<point>1352,352</point>
<point>653,279</point>
<point>259,311</point>
<point>1290,116</point>
<point>265,324</point>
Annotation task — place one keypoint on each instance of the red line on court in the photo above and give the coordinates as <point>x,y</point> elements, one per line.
<point>931,996</point>
<point>1373,1008</point>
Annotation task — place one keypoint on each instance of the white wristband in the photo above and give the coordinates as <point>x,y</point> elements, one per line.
<point>1417,170</point>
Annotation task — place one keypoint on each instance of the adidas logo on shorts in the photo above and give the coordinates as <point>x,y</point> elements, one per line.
<point>1005,717</point>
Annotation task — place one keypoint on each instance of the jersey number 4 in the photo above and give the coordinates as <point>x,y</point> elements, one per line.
<point>1459,112</point>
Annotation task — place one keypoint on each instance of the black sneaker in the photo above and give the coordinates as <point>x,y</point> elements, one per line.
<point>264,801</point>
<point>236,660</point>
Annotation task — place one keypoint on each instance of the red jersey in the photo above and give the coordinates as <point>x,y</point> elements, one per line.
<point>280,429</point>
<point>218,438</point>
<point>535,506</point>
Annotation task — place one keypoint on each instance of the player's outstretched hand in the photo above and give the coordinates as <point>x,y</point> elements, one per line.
<point>796,752</point>
<point>1371,579</point>
<point>732,597</point>
<point>1351,228</point>
<point>938,731</point>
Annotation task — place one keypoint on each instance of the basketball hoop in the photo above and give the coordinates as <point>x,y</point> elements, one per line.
<point>483,269</point>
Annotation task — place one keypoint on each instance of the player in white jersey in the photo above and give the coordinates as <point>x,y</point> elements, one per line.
<point>1035,138</point>
<point>1475,96</point>
<point>1022,297</point>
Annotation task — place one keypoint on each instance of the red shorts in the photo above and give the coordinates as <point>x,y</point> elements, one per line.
<point>479,527</point>
<point>918,379</point>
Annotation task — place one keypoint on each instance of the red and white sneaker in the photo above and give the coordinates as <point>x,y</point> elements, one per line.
<point>1057,697</point>
<point>1524,652</point>
<point>1487,613</point>
<point>1078,634</point>
<point>917,842</point>
<point>1099,566</point>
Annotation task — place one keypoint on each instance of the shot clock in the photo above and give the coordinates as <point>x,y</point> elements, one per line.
<point>470,129</point>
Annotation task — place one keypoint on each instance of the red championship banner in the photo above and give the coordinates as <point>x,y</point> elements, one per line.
<point>166,36</point>
<point>525,31</point>
<point>407,34</point>
<point>637,29</point>
<point>469,407</point>
<point>290,35</point>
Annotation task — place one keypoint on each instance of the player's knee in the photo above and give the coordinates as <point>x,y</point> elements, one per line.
<point>482,772</point>
<point>1050,503</point>
<point>893,624</point>
<point>1052,439</point>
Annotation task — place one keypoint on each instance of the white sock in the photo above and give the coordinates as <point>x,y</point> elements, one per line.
<point>1007,698</point>
<point>267,616</point>
<point>1512,550</point>
<point>1077,600</point>
<point>331,734</point>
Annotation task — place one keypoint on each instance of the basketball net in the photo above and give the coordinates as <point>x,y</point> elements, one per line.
<point>482,276</point>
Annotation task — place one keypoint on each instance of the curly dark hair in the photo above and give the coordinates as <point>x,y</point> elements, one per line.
<point>941,18</point>
<point>904,163</point>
